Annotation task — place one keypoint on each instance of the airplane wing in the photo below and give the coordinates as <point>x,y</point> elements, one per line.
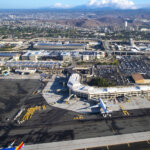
<point>83,108</point>
<point>8,149</point>
<point>95,106</point>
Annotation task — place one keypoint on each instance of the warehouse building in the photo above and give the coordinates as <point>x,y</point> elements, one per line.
<point>34,65</point>
<point>141,79</point>
<point>89,56</point>
<point>34,55</point>
<point>59,46</point>
<point>9,55</point>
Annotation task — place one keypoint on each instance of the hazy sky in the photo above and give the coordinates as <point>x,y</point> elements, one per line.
<point>69,3</point>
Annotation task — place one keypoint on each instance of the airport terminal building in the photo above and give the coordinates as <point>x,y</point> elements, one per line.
<point>89,92</point>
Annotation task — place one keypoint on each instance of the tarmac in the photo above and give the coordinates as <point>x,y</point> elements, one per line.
<point>13,76</point>
<point>62,100</point>
<point>55,124</point>
<point>92,142</point>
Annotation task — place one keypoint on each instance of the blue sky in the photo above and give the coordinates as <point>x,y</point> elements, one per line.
<point>63,3</point>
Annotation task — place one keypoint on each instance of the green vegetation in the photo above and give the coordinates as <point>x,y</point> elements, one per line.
<point>115,62</point>
<point>80,63</point>
<point>100,82</point>
<point>126,35</point>
<point>18,32</point>
<point>66,64</point>
<point>7,48</point>
<point>36,32</point>
<point>83,63</point>
<point>2,68</point>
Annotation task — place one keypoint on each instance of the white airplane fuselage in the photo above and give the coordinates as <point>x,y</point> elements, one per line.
<point>105,112</point>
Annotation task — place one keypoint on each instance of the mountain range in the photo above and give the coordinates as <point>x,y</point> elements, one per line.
<point>85,16</point>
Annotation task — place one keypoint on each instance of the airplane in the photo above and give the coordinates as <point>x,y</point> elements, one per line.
<point>10,147</point>
<point>103,108</point>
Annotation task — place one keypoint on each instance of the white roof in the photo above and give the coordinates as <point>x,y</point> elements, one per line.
<point>65,54</point>
<point>75,85</point>
<point>36,53</point>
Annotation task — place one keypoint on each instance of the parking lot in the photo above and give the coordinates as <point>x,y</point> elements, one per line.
<point>130,65</point>
<point>112,75</point>
<point>121,75</point>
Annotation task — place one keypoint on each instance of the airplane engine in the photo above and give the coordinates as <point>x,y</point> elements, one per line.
<point>107,115</point>
<point>104,115</point>
<point>110,115</point>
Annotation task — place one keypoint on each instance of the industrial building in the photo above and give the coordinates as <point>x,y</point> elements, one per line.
<point>141,79</point>
<point>34,55</point>
<point>33,65</point>
<point>62,55</point>
<point>89,92</point>
<point>84,56</point>
<point>25,71</point>
<point>59,46</point>
<point>66,56</point>
<point>9,55</point>
<point>88,56</point>
<point>95,43</point>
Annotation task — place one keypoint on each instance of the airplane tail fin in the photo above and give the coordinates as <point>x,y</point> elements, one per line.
<point>20,146</point>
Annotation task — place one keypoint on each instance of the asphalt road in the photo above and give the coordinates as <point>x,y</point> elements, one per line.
<point>54,124</point>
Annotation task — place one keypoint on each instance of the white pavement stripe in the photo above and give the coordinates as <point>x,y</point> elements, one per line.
<point>92,142</point>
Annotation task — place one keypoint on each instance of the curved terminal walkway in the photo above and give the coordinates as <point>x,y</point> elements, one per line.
<point>78,88</point>
<point>57,99</point>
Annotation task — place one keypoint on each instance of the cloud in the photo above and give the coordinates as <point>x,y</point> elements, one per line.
<point>123,4</point>
<point>60,5</point>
